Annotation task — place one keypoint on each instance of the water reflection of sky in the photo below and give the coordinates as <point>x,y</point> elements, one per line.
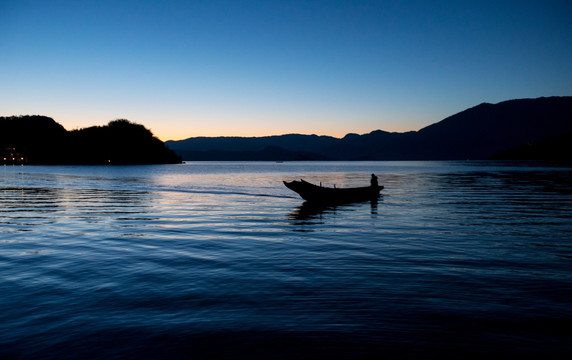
<point>89,254</point>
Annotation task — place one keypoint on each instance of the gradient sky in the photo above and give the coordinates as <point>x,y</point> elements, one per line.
<point>254,68</point>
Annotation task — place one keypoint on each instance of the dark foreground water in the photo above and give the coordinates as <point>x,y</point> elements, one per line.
<point>220,260</point>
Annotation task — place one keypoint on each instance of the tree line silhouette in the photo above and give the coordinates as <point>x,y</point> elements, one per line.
<point>39,140</point>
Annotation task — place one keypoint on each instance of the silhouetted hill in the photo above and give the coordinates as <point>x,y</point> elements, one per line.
<point>475,133</point>
<point>486,129</point>
<point>35,139</point>
<point>40,140</point>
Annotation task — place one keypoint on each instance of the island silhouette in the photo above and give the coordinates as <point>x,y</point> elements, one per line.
<point>40,140</point>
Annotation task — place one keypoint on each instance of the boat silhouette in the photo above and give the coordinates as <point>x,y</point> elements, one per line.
<point>328,195</point>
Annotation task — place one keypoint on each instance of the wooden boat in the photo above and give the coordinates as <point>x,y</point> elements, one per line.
<point>319,194</point>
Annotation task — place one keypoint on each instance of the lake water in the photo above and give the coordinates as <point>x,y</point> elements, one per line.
<point>220,260</point>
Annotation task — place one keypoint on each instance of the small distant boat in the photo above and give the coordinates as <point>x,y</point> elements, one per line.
<point>328,195</point>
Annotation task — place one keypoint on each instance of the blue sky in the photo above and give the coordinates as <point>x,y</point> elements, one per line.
<point>254,68</point>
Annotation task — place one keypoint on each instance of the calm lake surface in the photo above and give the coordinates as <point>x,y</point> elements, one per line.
<point>220,260</point>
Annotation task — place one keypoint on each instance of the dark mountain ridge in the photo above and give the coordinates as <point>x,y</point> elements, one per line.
<point>476,133</point>
<point>486,129</point>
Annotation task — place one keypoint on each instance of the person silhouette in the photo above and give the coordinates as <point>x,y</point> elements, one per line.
<point>373,181</point>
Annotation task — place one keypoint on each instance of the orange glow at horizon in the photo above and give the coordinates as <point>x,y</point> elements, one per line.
<point>188,131</point>
<point>177,129</point>
<point>257,125</point>
<point>174,126</point>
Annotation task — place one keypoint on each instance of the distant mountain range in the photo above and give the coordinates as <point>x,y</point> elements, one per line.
<point>526,129</point>
<point>39,140</point>
<point>482,132</point>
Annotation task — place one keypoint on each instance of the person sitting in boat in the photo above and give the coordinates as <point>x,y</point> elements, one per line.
<point>373,181</point>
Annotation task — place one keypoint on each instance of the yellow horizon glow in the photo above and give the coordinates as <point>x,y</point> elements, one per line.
<point>180,130</point>
<point>165,134</point>
<point>173,127</point>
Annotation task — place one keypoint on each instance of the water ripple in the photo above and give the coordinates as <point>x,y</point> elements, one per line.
<point>181,262</point>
